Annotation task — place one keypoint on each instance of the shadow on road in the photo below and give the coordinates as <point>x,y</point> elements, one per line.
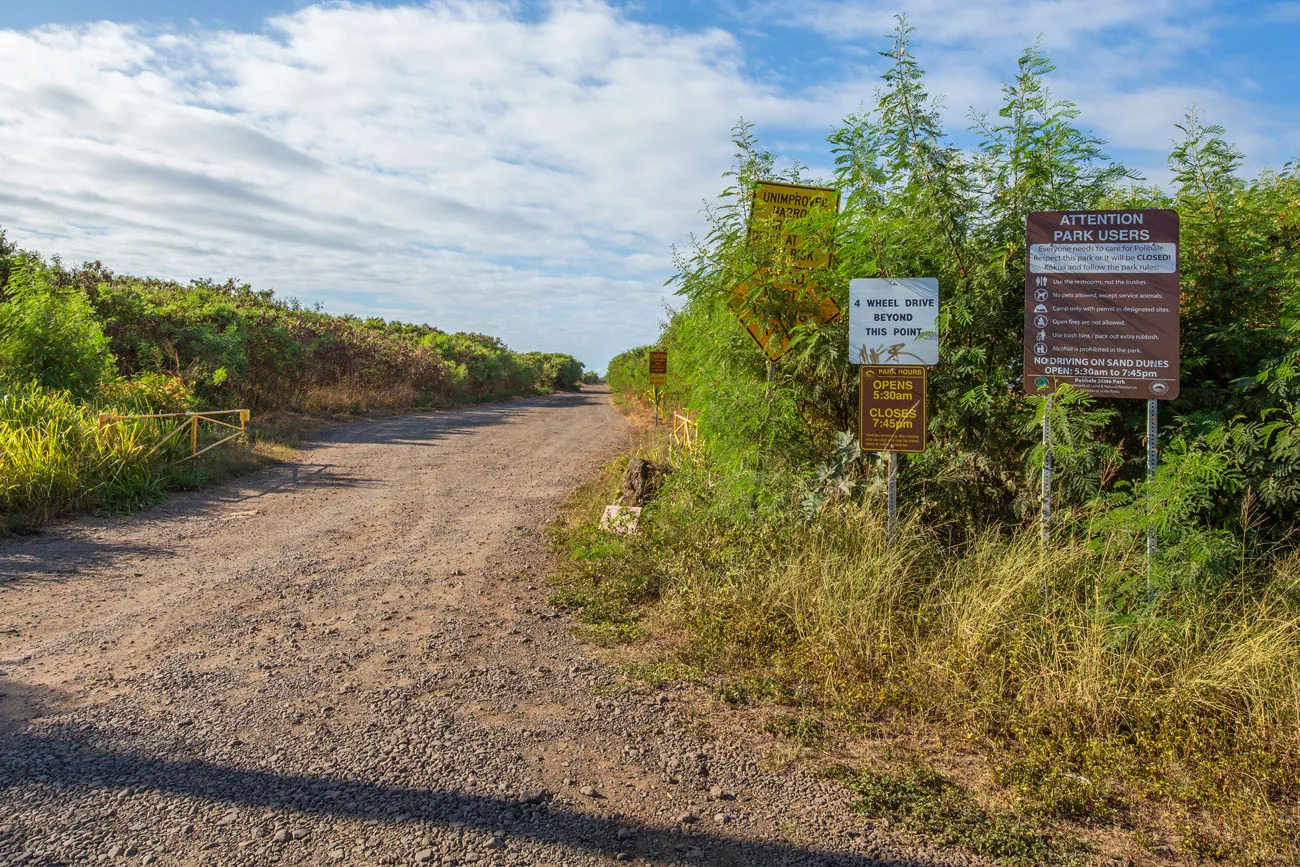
<point>57,557</point>
<point>73,765</point>
<point>24,559</point>
<point>20,703</point>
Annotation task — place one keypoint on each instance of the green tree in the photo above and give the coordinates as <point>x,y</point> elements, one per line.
<point>49,335</point>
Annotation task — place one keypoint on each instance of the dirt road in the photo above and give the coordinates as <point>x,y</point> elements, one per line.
<point>350,659</point>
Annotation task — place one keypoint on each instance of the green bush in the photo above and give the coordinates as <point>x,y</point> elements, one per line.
<point>55,457</point>
<point>74,342</point>
<point>48,335</point>
<point>1172,683</point>
<point>916,205</point>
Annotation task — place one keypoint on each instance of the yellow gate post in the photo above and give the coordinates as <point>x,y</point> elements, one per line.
<point>186,420</point>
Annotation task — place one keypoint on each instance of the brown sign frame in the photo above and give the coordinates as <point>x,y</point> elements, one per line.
<point>893,417</point>
<point>1102,311</point>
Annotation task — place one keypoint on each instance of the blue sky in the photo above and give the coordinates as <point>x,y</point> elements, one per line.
<point>523,168</point>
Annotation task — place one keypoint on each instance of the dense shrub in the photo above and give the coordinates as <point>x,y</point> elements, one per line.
<point>48,335</point>
<point>1171,683</point>
<point>77,342</point>
<point>55,457</point>
<point>916,205</point>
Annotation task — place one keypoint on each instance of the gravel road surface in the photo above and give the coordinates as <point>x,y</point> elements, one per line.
<point>349,659</point>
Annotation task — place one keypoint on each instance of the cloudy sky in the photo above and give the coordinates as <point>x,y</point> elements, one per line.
<point>520,168</point>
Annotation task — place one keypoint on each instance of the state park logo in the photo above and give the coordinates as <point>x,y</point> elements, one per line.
<point>1041,383</point>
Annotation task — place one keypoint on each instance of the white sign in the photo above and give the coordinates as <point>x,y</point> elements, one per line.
<point>892,320</point>
<point>1103,258</point>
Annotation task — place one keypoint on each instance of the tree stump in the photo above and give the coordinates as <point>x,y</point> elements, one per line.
<point>642,481</point>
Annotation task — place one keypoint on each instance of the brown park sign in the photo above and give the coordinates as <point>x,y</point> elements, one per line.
<point>1102,303</point>
<point>776,204</point>
<point>658,368</point>
<point>892,408</point>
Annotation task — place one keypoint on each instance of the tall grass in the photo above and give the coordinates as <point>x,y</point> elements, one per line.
<point>1093,697</point>
<point>55,458</point>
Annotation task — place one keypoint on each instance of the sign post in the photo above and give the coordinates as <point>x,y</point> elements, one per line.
<point>1045,498</point>
<point>893,419</point>
<point>1153,456</point>
<point>891,481</point>
<point>892,335</point>
<point>658,377</point>
<point>1102,314</point>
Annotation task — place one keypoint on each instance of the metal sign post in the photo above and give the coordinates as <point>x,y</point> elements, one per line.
<point>892,419</point>
<point>771,378</point>
<point>1153,456</point>
<point>893,496</point>
<point>1045,529</point>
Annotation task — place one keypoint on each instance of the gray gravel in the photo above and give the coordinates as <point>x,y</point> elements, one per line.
<point>350,660</point>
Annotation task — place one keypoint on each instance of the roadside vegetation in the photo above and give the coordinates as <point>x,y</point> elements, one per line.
<point>80,342</point>
<point>1157,705</point>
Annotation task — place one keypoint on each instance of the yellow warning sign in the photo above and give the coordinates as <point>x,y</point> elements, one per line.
<point>775,206</point>
<point>770,321</point>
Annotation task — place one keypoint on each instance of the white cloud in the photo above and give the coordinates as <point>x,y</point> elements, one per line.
<point>476,170</point>
<point>1133,68</point>
<point>1288,11</point>
<point>461,164</point>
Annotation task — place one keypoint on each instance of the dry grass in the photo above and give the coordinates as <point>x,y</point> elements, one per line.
<point>1179,714</point>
